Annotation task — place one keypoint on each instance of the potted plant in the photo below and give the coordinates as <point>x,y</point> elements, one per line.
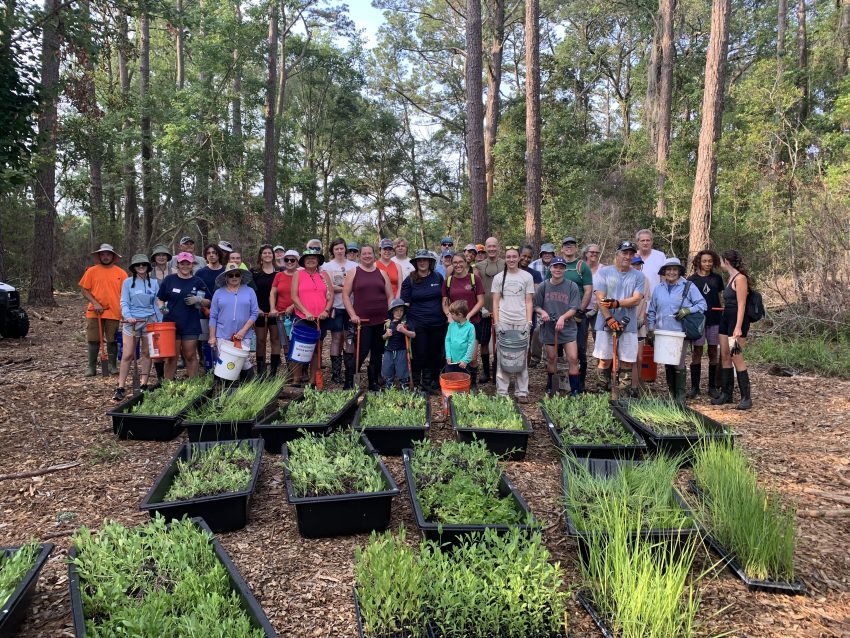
<point>156,415</point>
<point>19,571</point>
<point>457,488</point>
<point>393,419</point>
<point>747,526</point>
<point>586,425</point>
<point>338,484</point>
<point>159,579</point>
<point>212,480</point>
<point>234,412</point>
<point>494,419</point>
<point>316,411</point>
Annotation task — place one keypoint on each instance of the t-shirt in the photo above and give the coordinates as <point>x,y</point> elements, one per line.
<point>395,341</point>
<point>404,266</point>
<point>557,299</point>
<point>651,266</point>
<point>424,300</point>
<point>173,291</point>
<point>263,285</point>
<point>208,276</point>
<point>336,272</point>
<point>488,270</point>
<point>456,288</point>
<point>619,285</point>
<point>283,283</point>
<point>536,275</point>
<point>104,284</point>
<point>517,286</point>
<point>580,273</point>
<point>710,287</point>
<point>393,273</point>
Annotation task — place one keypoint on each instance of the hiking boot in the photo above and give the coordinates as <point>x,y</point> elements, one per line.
<point>91,369</point>
<point>744,386</point>
<point>120,394</point>
<point>696,372</point>
<point>727,386</point>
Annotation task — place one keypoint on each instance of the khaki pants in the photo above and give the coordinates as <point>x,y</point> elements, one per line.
<point>110,327</point>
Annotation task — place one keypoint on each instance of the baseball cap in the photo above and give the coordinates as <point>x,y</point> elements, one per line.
<point>447,240</point>
<point>558,260</point>
<point>547,248</point>
<point>637,259</point>
<point>386,243</point>
<point>226,246</point>
<point>569,240</point>
<point>470,247</point>
<point>352,245</point>
<point>277,248</point>
<point>292,253</point>
<point>186,240</point>
<point>185,256</point>
<point>447,253</point>
<point>627,245</point>
<point>479,248</point>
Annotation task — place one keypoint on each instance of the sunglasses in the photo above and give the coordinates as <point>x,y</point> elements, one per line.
<point>511,247</point>
<point>448,244</point>
<point>289,260</point>
<point>233,275</point>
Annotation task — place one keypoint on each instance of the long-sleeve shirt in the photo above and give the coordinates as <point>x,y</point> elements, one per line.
<point>665,302</point>
<point>230,311</point>
<point>138,298</point>
<point>460,342</point>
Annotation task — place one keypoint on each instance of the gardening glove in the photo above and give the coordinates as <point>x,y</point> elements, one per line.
<point>613,324</point>
<point>485,313</point>
<point>579,316</point>
<point>609,303</point>
<point>682,313</point>
<point>192,300</point>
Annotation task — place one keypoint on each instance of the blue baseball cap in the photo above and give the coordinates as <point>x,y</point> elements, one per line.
<point>637,259</point>
<point>447,240</point>
<point>557,260</point>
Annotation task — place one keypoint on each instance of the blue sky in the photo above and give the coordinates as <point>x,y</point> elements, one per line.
<point>365,16</point>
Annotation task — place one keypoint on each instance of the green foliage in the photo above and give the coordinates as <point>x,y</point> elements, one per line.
<point>664,416</point>
<point>397,408</point>
<point>240,404</point>
<point>483,411</point>
<point>816,354</point>
<point>173,396</point>
<point>224,467</point>
<point>156,580</point>
<point>316,406</point>
<point>14,567</point>
<point>586,419</point>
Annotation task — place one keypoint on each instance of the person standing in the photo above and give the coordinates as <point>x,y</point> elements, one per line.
<point>513,304</point>
<point>279,252</point>
<point>312,295</point>
<point>101,286</point>
<point>591,255</point>
<point>233,311</point>
<point>734,326</point>
<point>215,265</point>
<point>526,254</point>
<point>541,265</point>
<point>396,334</point>
<point>579,273</point>
<point>338,322</point>
<point>637,264</point>
<point>481,253</point>
<point>367,294</point>
<point>652,259</point>
<point>386,264</point>
<point>470,252</point>
<point>460,339</point>
<point>444,268</point>
<point>422,291</point>
<point>160,258</point>
<point>352,251</point>
<point>401,259</point>
<point>556,302</point>
<point>710,284</point>
<point>464,285</point>
<point>488,268</point>
<point>265,325</point>
<point>280,298</point>
<point>187,245</point>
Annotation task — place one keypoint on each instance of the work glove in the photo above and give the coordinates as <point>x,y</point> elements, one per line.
<point>609,303</point>
<point>613,324</point>
<point>650,338</point>
<point>192,300</point>
<point>579,316</point>
<point>164,310</point>
<point>682,313</point>
<point>485,313</point>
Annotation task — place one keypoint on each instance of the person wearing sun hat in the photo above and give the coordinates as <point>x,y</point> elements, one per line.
<point>160,258</point>
<point>313,297</point>
<point>101,286</point>
<point>234,310</point>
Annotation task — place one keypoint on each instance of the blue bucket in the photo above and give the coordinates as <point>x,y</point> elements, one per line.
<point>302,343</point>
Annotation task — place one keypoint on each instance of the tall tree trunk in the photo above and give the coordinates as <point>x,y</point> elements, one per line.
<point>667,8</point>
<point>94,144</point>
<point>653,80</point>
<point>181,48</point>
<point>494,83</point>
<point>475,122</point>
<point>844,36</point>
<point>269,148</point>
<point>147,142</point>
<point>532,124</point>
<point>44,187</point>
<point>236,105</point>
<point>128,166</point>
<point>709,134</point>
<point>781,28</point>
<point>203,165</point>
<point>802,62</point>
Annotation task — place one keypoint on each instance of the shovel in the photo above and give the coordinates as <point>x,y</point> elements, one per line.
<point>615,382</point>
<point>319,380</point>
<point>104,362</point>
<point>409,368</point>
<point>357,356</point>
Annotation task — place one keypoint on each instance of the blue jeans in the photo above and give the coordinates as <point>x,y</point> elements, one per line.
<point>394,367</point>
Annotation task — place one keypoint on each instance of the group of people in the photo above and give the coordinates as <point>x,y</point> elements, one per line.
<point>482,310</point>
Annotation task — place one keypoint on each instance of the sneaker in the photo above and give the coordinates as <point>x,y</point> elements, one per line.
<point>523,399</point>
<point>120,394</point>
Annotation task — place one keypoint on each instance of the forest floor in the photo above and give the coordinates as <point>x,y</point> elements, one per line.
<point>798,433</point>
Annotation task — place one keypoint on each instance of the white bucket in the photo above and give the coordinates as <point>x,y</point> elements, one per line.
<point>230,360</point>
<point>668,347</point>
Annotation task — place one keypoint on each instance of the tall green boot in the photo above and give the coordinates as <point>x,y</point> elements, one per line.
<point>680,385</point>
<point>91,369</point>
<point>670,376</point>
<point>112,356</point>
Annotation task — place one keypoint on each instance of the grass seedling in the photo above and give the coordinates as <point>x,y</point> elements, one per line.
<point>587,419</point>
<point>331,465</point>
<point>665,416</point>
<point>458,483</point>
<point>746,519</point>
<point>173,396</point>
<point>482,411</point>
<point>242,404</point>
<point>397,408</point>
<point>317,406</point>
<point>14,567</point>
<point>220,469</point>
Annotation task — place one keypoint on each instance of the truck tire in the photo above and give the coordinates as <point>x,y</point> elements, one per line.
<point>16,325</point>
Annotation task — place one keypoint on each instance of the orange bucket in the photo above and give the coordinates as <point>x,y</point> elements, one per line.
<point>162,339</point>
<point>648,367</point>
<point>451,382</point>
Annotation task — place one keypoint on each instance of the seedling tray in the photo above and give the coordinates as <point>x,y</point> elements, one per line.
<point>452,533</point>
<point>147,427</point>
<point>677,444</point>
<point>586,602</point>
<point>275,433</point>
<point>796,587</point>
<point>249,602</point>
<point>15,608</point>
<point>360,630</point>
<point>390,440</point>
<point>433,632</point>
<point>342,514</point>
<point>222,512</point>
<point>227,430</point>
<point>634,450</point>
<point>508,444</point>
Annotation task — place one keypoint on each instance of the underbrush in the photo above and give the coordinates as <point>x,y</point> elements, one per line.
<point>819,354</point>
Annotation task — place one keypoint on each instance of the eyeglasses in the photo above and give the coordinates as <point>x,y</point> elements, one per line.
<point>592,252</point>
<point>289,260</point>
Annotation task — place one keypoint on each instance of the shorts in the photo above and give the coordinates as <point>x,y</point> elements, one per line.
<point>110,327</point>
<point>627,346</point>
<point>709,334</point>
<point>484,330</point>
<point>136,329</point>
<point>262,321</point>
<point>728,320</point>
<point>192,337</point>
<point>338,321</point>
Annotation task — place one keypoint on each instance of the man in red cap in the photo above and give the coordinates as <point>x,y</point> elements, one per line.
<point>101,286</point>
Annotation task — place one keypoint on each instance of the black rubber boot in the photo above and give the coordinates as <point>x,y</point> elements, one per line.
<point>744,386</point>
<point>494,369</point>
<point>670,376</point>
<point>473,374</point>
<point>680,384</point>
<point>696,372</point>
<point>713,380</point>
<point>159,366</point>
<point>91,368</point>
<point>582,379</point>
<point>261,367</point>
<point>275,364</point>
<point>485,369</point>
<point>336,368</point>
<point>426,382</point>
<point>348,360</point>
<point>550,379</point>
<point>727,386</point>
<point>374,386</point>
<point>112,356</point>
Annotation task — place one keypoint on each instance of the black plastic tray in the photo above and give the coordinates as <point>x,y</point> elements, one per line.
<point>598,450</point>
<point>15,608</point>
<point>585,601</point>
<point>237,583</point>
<point>677,444</point>
<point>146,427</point>
<point>390,440</point>
<point>222,512</point>
<point>275,434</point>
<point>342,514</point>
<point>451,533</point>
<point>227,430</point>
<point>509,444</point>
<point>796,587</point>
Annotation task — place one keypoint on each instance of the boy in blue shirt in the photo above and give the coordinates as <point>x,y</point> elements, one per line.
<point>395,366</point>
<point>460,338</point>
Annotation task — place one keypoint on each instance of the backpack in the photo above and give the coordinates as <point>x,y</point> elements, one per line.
<point>754,309</point>
<point>471,280</point>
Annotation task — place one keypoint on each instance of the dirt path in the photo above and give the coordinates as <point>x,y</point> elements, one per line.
<point>49,414</point>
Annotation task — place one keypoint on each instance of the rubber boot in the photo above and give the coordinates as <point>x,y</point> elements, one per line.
<point>727,386</point>
<point>582,373</point>
<point>713,380</point>
<point>582,379</point>
<point>275,364</point>
<point>112,356</point>
<point>550,379</point>
<point>494,369</point>
<point>91,369</point>
<point>426,381</point>
<point>575,384</point>
<point>159,366</point>
<point>261,367</point>
<point>473,374</point>
<point>485,369</point>
<point>604,379</point>
<point>696,372</point>
<point>680,384</point>
<point>744,386</point>
<point>247,375</point>
<point>348,360</point>
<point>373,379</point>
<point>670,376</point>
<point>336,368</point>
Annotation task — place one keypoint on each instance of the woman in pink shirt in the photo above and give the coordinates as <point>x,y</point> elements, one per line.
<point>312,296</point>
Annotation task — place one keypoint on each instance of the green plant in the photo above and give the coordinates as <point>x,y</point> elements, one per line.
<point>173,396</point>
<point>330,465</point>
<point>156,580</point>
<point>394,408</point>
<point>317,406</point>
<point>241,404</point>
<point>458,483</point>
<point>665,416</point>
<point>586,419</point>
<point>222,468</point>
<point>105,452</point>
<point>819,354</point>
<point>13,568</point>
<point>482,411</point>
<point>743,517</point>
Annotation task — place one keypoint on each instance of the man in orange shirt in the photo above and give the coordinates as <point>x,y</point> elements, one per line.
<point>101,285</point>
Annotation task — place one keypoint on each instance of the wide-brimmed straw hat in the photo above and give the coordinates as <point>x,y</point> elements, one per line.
<point>106,248</point>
